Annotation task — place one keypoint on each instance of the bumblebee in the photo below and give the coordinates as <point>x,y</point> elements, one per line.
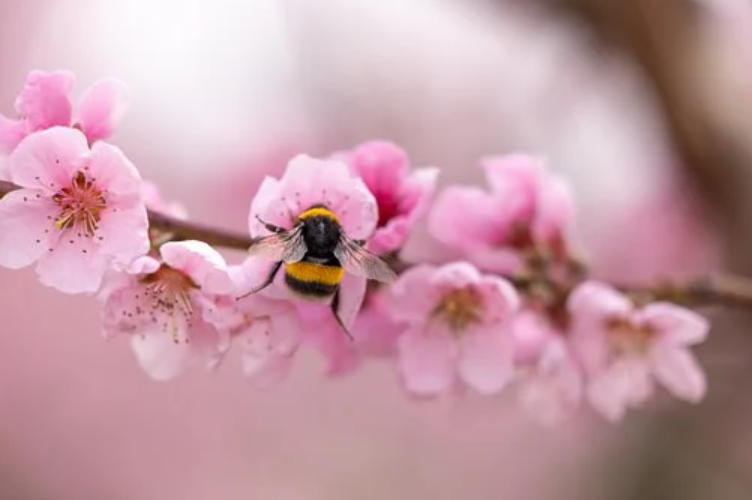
<point>316,253</point>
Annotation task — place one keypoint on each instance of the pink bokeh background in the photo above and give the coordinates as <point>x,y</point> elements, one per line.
<point>225,93</point>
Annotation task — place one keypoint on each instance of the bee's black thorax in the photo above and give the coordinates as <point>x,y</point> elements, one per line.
<point>321,235</point>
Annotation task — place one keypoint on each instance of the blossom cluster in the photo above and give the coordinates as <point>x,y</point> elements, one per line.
<point>516,310</point>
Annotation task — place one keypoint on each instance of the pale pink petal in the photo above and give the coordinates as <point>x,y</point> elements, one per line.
<point>201,262</point>
<point>310,181</point>
<point>143,265</point>
<point>382,166</point>
<point>415,197</point>
<point>390,237</point>
<point>502,260</point>
<point>455,275</point>
<point>410,299</point>
<point>49,159</point>
<point>678,371</point>
<point>499,297</point>
<point>352,291</point>
<point>677,325</point>
<point>486,359</point>
<point>594,301</point>
<point>270,207</point>
<point>101,108</point>
<point>338,349</point>
<point>112,170</point>
<point>375,332</point>
<point>23,223</point>
<point>163,359</point>
<point>531,333</point>
<point>427,361</point>
<point>417,193</point>
<point>45,101</point>
<point>555,209</point>
<point>625,384</point>
<point>4,170</point>
<point>124,234</point>
<point>11,133</point>
<point>554,389</point>
<point>263,361</point>
<point>467,218</point>
<point>124,296</point>
<point>515,173</point>
<point>72,266</point>
<point>154,200</point>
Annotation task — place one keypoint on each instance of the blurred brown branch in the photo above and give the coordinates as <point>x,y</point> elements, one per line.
<point>665,38</point>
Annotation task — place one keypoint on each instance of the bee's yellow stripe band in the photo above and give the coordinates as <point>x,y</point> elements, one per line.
<point>310,272</point>
<point>318,211</point>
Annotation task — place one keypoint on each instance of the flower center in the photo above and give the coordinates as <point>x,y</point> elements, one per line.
<point>81,205</point>
<point>626,337</point>
<point>167,291</point>
<point>460,308</point>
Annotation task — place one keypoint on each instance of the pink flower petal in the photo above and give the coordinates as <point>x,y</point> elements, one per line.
<point>124,233</point>
<point>162,359</point>
<point>678,371</point>
<point>101,108</point>
<point>72,267</point>
<point>309,181</point>
<point>202,263</point>
<point>499,297</point>
<point>382,166</point>
<point>390,237</point>
<point>49,159</point>
<point>555,209</point>
<point>263,361</point>
<point>514,174</point>
<point>11,133</point>
<point>44,101</point>
<point>427,361</point>
<point>677,325</point>
<point>626,384</point>
<point>410,299</point>
<point>23,221</point>
<point>417,193</point>
<point>466,218</point>
<point>455,275</point>
<point>351,295</point>
<point>110,167</point>
<point>554,389</point>
<point>486,360</point>
<point>595,302</point>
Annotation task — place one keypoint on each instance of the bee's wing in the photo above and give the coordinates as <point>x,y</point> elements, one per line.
<point>287,246</point>
<point>360,262</point>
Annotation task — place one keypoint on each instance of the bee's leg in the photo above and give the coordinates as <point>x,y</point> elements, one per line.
<point>335,312</point>
<point>268,281</point>
<point>271,227</point>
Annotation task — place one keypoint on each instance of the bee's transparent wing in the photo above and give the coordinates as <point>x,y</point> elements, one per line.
<point>287,246</point>
<point>360,262</point>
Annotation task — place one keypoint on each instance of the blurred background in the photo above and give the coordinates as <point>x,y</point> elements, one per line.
<point>645,123</point>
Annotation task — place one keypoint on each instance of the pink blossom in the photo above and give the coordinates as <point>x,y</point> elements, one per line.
<point>170,308</point>
<point>309,182</point>
<point>456,330</point>
<point>623,348</point>
<point>403,197</point>
<point>78,211</point>
<point>45,102</point>
<point>550,382</point>
<point>526,209</point>
<point>269,333</point>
